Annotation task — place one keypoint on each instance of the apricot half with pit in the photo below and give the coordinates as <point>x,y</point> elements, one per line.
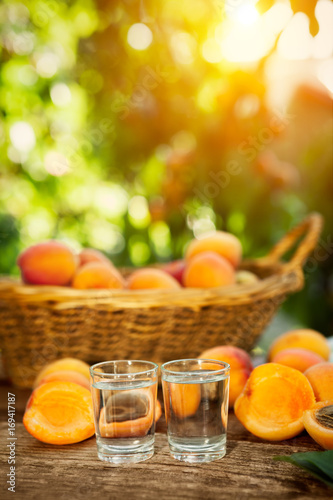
<point>318,421</point>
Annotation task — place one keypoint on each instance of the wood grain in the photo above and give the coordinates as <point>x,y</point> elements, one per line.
<point>46,472</point>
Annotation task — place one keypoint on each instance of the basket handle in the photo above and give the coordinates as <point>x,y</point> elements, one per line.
<point>310,229</point>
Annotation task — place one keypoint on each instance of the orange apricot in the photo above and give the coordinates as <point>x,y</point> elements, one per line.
<point>240,367</point>
<point>185,399</point>
<point>221,242</point>
<point>128,414</point>
<point>47,263</point>
<point>92,255</point>
<point>63,364</point>
<point>66,376</point>
<point>272,403</point>
<point>60,413</point>
<point>158,410</point>
<point>318,421</point>
<point>151,278</point>
<point>298,358</point>
<point>208,269</point>
<point>304,338</point>
<point>321,379</point>
<point>97,275</point>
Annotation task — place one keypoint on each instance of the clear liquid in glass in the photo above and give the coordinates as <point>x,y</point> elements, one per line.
<point>196,414</point>
<point>124,414</point>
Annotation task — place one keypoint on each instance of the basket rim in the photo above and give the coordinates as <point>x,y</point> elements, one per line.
<point>281,282</point>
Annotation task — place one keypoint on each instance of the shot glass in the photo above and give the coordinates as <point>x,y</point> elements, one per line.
<point>124,399</point>
<point>196,398</point>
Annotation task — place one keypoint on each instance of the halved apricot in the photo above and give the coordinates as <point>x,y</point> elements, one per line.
<point>60,413</point>
<point>273,401</point>
<point>128,414</point>
<point>318,421</point>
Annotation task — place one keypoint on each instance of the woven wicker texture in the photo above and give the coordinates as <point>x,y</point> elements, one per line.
<point>41,324</point>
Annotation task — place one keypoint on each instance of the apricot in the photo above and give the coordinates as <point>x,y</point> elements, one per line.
<point>224,244</point>
<point>318,421</point>
<point>208,269</point>
<point>246,277</point>
<point>185,399</point>
<point>128,414</point>
<point>151,278</point>
<point>321,379</point>
<point>298,358</point>
<point>175,269</point>
<point>272,403</point>
<point>92,255</point>
<point>60,413</point>
<point>47,263</point>
<point>158,411</point>
<point>306,339</point>
<point>240,367</point>
<point>97,275</point>
<point>71,364</point>
<point>66,376</point>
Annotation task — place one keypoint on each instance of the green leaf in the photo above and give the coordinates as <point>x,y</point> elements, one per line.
<point>317,463</point>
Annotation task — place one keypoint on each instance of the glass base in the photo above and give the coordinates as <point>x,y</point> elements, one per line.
<point>197,457</point>
<point>116,455</point>
<point>125,459</point>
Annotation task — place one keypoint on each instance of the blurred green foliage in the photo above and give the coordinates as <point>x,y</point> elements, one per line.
<point>133,151</point>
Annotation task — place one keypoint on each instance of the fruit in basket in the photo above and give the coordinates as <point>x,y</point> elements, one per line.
<point>66,376</point>
<point>151,278</point>
<point>175,269</point>
<point>318,421</point>
<point>298,358</point>
<point>304,338</point>
<point>221,242</point>
<point>246,277</point>
<point>71,364</point>
<point>97,275</point>
<point>208,269</point>
<point>272,403</point>
<point>60,413</point>
<point>240,367</point>
<point>48,263</point>
<point>321,379</point>
<point>92,255</point>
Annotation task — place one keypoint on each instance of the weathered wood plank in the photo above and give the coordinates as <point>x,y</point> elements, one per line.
<point>45,472</point>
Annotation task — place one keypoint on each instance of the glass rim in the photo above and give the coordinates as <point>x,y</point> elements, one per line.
<point>224,366</point>
<point>154,368</point>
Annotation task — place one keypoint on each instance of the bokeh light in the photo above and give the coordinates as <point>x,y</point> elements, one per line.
<point>22,136</point>
<point>139,36</point>
<point>56,164</point>
<point>61,94</point>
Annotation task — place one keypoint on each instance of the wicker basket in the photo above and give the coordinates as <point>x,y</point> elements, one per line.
<point>40,324</point>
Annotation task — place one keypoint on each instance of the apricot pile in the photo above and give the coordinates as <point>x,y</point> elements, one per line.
<point>292,391</point>
<point>209,262</point>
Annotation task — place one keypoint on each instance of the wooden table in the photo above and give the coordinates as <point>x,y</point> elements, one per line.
<point>45,472</point>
